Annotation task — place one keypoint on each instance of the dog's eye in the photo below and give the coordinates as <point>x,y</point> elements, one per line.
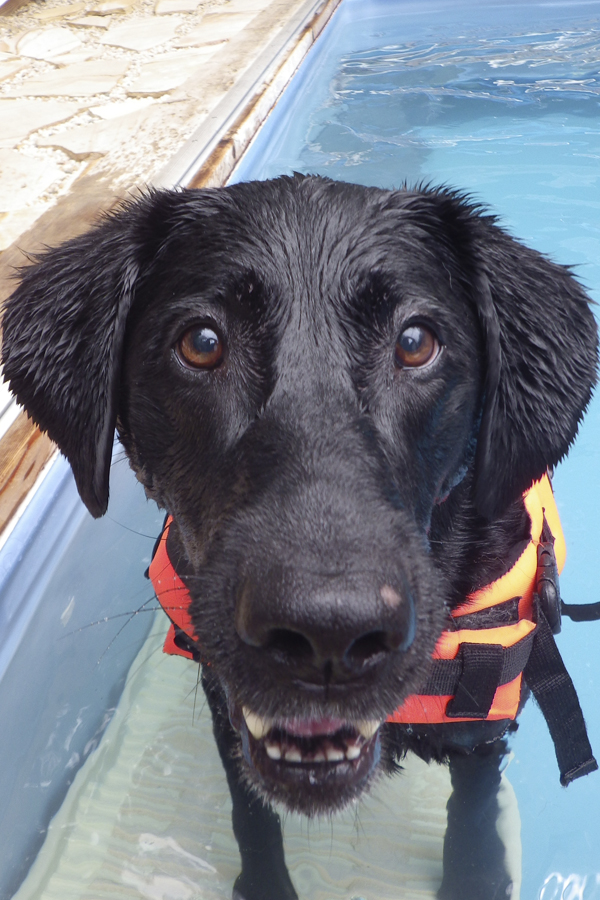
<point>416,346</point>
<point>200,347</point>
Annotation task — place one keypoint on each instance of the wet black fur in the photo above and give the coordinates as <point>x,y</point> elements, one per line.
<point>308,467</point>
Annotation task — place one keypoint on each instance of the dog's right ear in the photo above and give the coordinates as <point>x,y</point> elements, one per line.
<point>63,333</point>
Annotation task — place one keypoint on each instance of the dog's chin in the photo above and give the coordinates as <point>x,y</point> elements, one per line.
<point>312,766</point>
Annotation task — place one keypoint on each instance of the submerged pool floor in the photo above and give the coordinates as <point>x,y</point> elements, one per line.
<point>501,100</point>
<point>149,814</point>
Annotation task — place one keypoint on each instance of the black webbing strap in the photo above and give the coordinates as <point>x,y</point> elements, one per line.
<point>482,669</point>
<point>581,612</point>
<point>546,675</point>
<point>475,674</point>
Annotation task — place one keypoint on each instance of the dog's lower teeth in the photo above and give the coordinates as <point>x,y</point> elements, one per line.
<point>293,756</point>
<point>334,755</point>
<point>273,751</point>
<point>259,728</point>
<point>256,726</point>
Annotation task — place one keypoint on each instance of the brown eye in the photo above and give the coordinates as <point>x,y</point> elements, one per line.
<point>416,346</point>
<point>200,347</point>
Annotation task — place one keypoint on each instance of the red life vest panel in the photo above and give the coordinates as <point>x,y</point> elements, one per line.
<point>476,672</point>
<point>173,596</point>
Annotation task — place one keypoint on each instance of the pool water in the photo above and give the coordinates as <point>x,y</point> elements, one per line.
<point>501,100</point>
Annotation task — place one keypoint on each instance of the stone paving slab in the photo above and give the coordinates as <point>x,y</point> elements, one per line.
<point>46,14</point>
<point>18,118</point>
<point>215,29</point>
<point>79,79</point>
<point>165,7</point>
<point>46,43</point>
<point>142,34</point>
<point>91,22</point>
<point>10,68</point>
<point>121,108</point>
<point>111,7</point>
<point>97,139</point>
<point>24,179</point>
<point>169,71</point>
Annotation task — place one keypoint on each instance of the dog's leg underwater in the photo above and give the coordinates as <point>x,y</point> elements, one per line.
<point>257,827</point>
<point>474,854</point>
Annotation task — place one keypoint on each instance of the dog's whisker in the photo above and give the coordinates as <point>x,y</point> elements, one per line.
<point>167,568</point>
<point>194,691</point>
<point>151,537</point>
<point>130,613</point>
<point>144,662</point>
<point>143,608</point>
<point>198,677</point>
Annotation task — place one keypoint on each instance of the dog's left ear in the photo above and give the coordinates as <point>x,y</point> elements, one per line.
<point>541,359</point>
<point>63,333</point>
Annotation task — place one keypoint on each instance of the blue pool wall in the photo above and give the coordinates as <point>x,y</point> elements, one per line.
<point>61,571</point>
<point>67,584</point>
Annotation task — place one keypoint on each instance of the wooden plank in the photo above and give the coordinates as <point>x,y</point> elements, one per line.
<point>11,6</point>
<point>25,451</point>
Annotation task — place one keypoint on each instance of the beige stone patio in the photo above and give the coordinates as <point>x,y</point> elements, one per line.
<point>63,65</point>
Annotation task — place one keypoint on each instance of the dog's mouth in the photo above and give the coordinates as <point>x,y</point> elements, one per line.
<point>310,764</point>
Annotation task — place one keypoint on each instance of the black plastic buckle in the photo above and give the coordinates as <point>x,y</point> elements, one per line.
<point>547,585</point>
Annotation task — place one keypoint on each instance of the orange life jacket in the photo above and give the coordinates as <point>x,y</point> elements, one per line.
<point>519,582</point>
<point>476,672</point>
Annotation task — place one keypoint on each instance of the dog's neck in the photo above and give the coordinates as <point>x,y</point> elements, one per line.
<point>474,551</point>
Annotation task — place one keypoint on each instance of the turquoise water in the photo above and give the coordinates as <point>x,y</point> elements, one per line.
<point>502,101</point>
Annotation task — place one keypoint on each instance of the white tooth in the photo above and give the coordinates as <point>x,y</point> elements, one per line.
<point>333,754</point>
<point>256,726</point>
<point>367,727</point>
<point>352,751</point>
<point>273,751</point>
<point>319,757</point>
<point>293,755</point>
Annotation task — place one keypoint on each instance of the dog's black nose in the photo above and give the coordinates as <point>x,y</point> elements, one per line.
<point>319,625</point>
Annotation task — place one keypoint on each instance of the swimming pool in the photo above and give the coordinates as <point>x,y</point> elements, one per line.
<point>501,100</point>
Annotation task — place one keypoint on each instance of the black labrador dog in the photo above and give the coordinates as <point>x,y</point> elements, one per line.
<point>340,395</point>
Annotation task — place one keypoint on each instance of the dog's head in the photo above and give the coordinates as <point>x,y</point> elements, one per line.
<point>301,372</point>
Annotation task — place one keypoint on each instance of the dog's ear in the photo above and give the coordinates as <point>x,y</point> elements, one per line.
<point>63,333</point>
<point>541,358</point>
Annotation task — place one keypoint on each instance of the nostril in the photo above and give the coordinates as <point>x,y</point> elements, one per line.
<point>290,644</point>
<point>369,648</point>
